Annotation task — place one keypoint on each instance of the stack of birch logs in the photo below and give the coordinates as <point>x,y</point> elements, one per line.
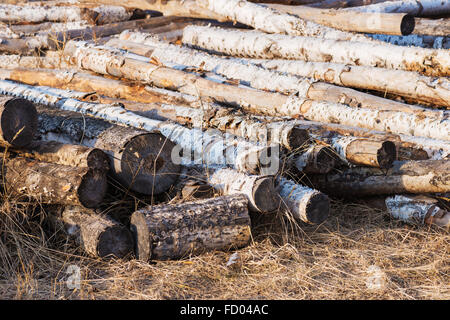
<point>220,110</point>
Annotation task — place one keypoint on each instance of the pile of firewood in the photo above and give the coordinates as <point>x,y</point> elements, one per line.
<point>273,106</point>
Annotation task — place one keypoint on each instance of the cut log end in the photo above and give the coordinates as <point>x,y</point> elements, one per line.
<point>92,189</point>
<point>147,165</point>
<point>407,25</point>
<point>141,236</point>
<point>323,160</point>
<point>98,160</point>
<point>387,154</point>
<point>18,122</point>
<point>318,208</point>
<point>115,241</point>
<point>263,195</point>
<point>298,137</point>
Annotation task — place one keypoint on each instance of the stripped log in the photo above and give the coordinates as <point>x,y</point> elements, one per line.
<point>316,159</point>
<point>98,235</point>
<point>427,176</point>
<point>408,84</point>
<point>18,121</point>
<point>210,148</point>
<point>254,44</point>
<point>259,190</point>
<point>238,69</point>
<point>413,7</point>
<point>99,15</point>
<point>305,204</point>
<point>66,154</point>
<point>434,27</point>
<point>392,23</point>
<point>417,210</point>
<point>270,20</point>
<point>53,183</point>
<point>176,231</point>
<point>139,159</point>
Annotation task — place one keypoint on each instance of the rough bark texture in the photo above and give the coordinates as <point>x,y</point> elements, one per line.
<point>417,210</point>
<point>256,44</point>
<point>18,121</point>
<point>316,159</point>
<point>392,23</point>
<point>53,183</point>
<point>305,204</point>
<point>434,27</point>
<point>175,231</point>
<point>414,7</point>
<point>259,190</point>
<point>98,235</point>
<point>428,176</point>
<point>16,61</point>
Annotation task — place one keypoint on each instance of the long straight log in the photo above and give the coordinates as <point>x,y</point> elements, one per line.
<point>417,210</point>
<point>13,61</point>
<point>31,29</point>
<point>239,69</point>
<point>386,23</point>
<point>98,235</point>
<point>210,148</point>
<point>140,160</point>
<point>176,231</point>
<point>305,204</point>
<point>328,4</point>
<point>413,7</point>
<point>408,84</point>
<point>435,27</point>
<point>259,190</point>
<point>53,183</point>
<point>66,154</point>
<point>427,176</point>
<point>18,121</point>
<point>414,40</point>
<point>254,44</point>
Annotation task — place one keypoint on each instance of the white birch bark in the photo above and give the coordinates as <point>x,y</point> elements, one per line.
<point>254,44</point>
<point>417,210</point>
<point>423,41</point>
<point>270,20</point>
<point>210,148</point>
<point>404,83</point>
<point>414,7</point>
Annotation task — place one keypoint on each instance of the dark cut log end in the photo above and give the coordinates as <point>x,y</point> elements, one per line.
<point>318,208</point>
<point>98,160</point>
<point>323,160</point>
<point>147,165</point>
<point>115,241</point>
<point>298,137</point>
<point>140,232</point>
<point>19,122</point>
<point>387,154</point>
<point>265,195</point>
<point>407,25</point>
<point>93,188</point>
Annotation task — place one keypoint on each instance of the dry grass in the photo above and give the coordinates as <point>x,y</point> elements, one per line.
<point>336,260</point>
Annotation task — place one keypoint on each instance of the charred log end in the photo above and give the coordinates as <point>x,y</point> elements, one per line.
<point>115,241</point>
<point>147,166</point>
<point>98,160</point>
<point>297,138</point>
<point>317,208</point>
<point>19,122</point>
<point>407,25</point>
<point>265,195</point>
<point>387,154</point>
<point>141,236</point>
<point>92,189</point>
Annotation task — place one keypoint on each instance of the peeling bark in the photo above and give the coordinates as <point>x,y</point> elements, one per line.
<point>176,231</point>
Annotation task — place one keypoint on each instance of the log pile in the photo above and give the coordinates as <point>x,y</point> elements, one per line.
<point>275,105</point>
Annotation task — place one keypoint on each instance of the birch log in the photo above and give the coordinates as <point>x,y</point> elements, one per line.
<point>344,3</point>
<point>254,44</point>
<point>177,231</point>
<point>259,190</point>
<point>316,159</point>
<point>239,69</point>
<point>139,159</point>
<point>417,210</point>
<point>435,27</point>
<point>66,154</point>
<point>427,176</point>
<point>209,148</point>
<point>53,183</point>
<point>18,121</point>
<point>17,61</point>
<point>413,7</point>
<point>98,235</point>
<point>408,84</point>
<point>305,204</point>
<point>366,22</point>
